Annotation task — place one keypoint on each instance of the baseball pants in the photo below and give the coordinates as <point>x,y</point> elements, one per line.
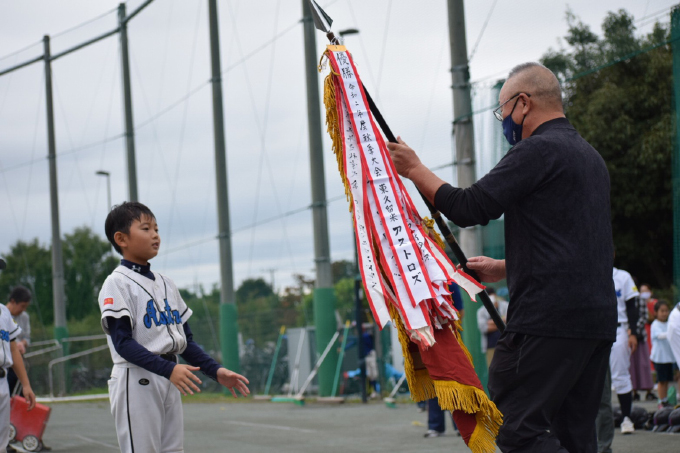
<point>619,361</point>
<point>4,413</point>
<point>147,410</point>
<point>548,390</point>
<point>674,333</point>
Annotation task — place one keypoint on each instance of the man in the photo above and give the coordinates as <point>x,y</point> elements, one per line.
<point>548,371</point>
<point>19,299</point>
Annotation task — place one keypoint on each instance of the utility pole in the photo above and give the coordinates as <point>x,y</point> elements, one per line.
<point>675,159</point>
<point>470,240</point>
<point>228,313</point>
<point>127,102</point>
<point>359,316</point>
<point>58,293</point>
<point>324,294</point>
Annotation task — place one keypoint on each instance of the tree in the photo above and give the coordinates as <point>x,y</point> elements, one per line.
<point>30,264</point>
<point>87,263</point>
<point>258,309</point>
<point>623,108</point>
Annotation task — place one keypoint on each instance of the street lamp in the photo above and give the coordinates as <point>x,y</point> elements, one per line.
<point>349,31</point>
<point>108,193</point>
<point>108,186</point>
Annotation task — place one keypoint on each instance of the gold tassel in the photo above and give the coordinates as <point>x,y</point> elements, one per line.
<point>419,382</point>
<point>454,396</point>
<point>333,128</point>
<point>429,226</point>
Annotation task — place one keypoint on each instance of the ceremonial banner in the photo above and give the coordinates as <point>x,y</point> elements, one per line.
<point>405,271</point>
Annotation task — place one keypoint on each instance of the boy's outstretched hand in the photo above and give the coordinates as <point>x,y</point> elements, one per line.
<point>182,378</point>
<point>232,381</point>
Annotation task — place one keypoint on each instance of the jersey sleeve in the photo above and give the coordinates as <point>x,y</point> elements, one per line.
<point>114,301</point>
<point>8,324</point>
<point>15,330</point>
<point>629,289</point>
<point>184,311</point>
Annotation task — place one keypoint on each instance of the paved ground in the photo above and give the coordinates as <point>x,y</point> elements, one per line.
<point>226,426</point>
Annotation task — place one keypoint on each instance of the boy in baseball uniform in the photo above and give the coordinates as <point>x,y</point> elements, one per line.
<point>10,357</point>
<point>626,342</point>
<point>146,321</point>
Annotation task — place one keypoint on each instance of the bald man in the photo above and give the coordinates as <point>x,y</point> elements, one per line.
<point>548,370</point>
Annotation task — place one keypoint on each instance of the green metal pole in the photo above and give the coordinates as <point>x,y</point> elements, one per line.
<point>127,103</point>
<point>58,292</point>
<point>228,312</point>
<point>473,338</point>
<point>341,356</point>
<point>276,356</point>
<point>675,37</point>
<point>324,294</point>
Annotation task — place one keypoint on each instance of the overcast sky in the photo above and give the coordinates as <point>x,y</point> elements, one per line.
<point>401,52</point>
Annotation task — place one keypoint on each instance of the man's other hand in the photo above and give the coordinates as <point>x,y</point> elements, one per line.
<point>488,269</point>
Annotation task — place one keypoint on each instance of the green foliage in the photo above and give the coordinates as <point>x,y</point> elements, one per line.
<point>257,310</point>
<point>87,263</point>
<point>345,302</point>
<point>29,264</point>
<point>624,110</point>
<point>342,269</point>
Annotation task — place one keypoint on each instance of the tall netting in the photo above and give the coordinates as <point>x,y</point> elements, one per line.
<point>675,37</point>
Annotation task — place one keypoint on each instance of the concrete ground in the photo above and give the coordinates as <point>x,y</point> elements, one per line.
<point>248,426</point>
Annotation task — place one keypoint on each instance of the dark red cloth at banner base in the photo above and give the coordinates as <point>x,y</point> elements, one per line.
<point>446,360</point>
<point>466,424</point>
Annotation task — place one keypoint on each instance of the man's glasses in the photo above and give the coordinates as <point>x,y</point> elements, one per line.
<point>497,112</point>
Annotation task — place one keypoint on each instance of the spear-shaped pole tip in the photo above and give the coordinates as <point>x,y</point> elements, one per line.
<point>322,21</point>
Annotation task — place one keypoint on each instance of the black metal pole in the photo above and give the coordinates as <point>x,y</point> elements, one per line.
<point>443,227</point>
<point>359,320</point>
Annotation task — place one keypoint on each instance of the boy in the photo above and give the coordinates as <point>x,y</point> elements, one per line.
<point>146,320</point>
<point>10,357</point>
<point>625,344</point>
<point>19,299</point>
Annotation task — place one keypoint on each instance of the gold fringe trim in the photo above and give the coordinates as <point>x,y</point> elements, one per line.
<point>454,396</point>
<point>422,387</point>
<point>333,128</point>
<point>429,226</point>
<point>404,340</point>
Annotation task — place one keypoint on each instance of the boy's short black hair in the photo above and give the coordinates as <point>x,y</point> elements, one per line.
<point>20,294</point>
<point>121,217</point>
<point>659,303</point>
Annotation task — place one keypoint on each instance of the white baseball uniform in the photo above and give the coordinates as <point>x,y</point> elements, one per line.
<point>674,331</point>
<point>147,408</point>
<point>619,359</point>
<point>9,330</point>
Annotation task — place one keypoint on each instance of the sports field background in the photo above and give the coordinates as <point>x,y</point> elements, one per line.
<point>249,426</point>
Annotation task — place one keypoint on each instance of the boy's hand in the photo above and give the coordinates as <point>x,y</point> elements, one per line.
<point>30,397</point>
<point>182,378</point>
<point>232,381</point>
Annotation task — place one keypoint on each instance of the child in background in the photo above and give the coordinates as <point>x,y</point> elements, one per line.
<point>661,355</point>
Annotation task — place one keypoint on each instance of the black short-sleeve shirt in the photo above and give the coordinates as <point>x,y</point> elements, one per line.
<point>553,188</point>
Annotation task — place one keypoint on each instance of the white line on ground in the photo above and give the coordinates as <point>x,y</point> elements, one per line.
<point>92,441</point>
<point>263,425</point>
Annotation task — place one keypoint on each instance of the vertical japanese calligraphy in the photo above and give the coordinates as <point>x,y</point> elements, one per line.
<point>400,264</point>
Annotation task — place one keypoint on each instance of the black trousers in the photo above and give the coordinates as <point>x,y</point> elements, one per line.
<point>548,390</point>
